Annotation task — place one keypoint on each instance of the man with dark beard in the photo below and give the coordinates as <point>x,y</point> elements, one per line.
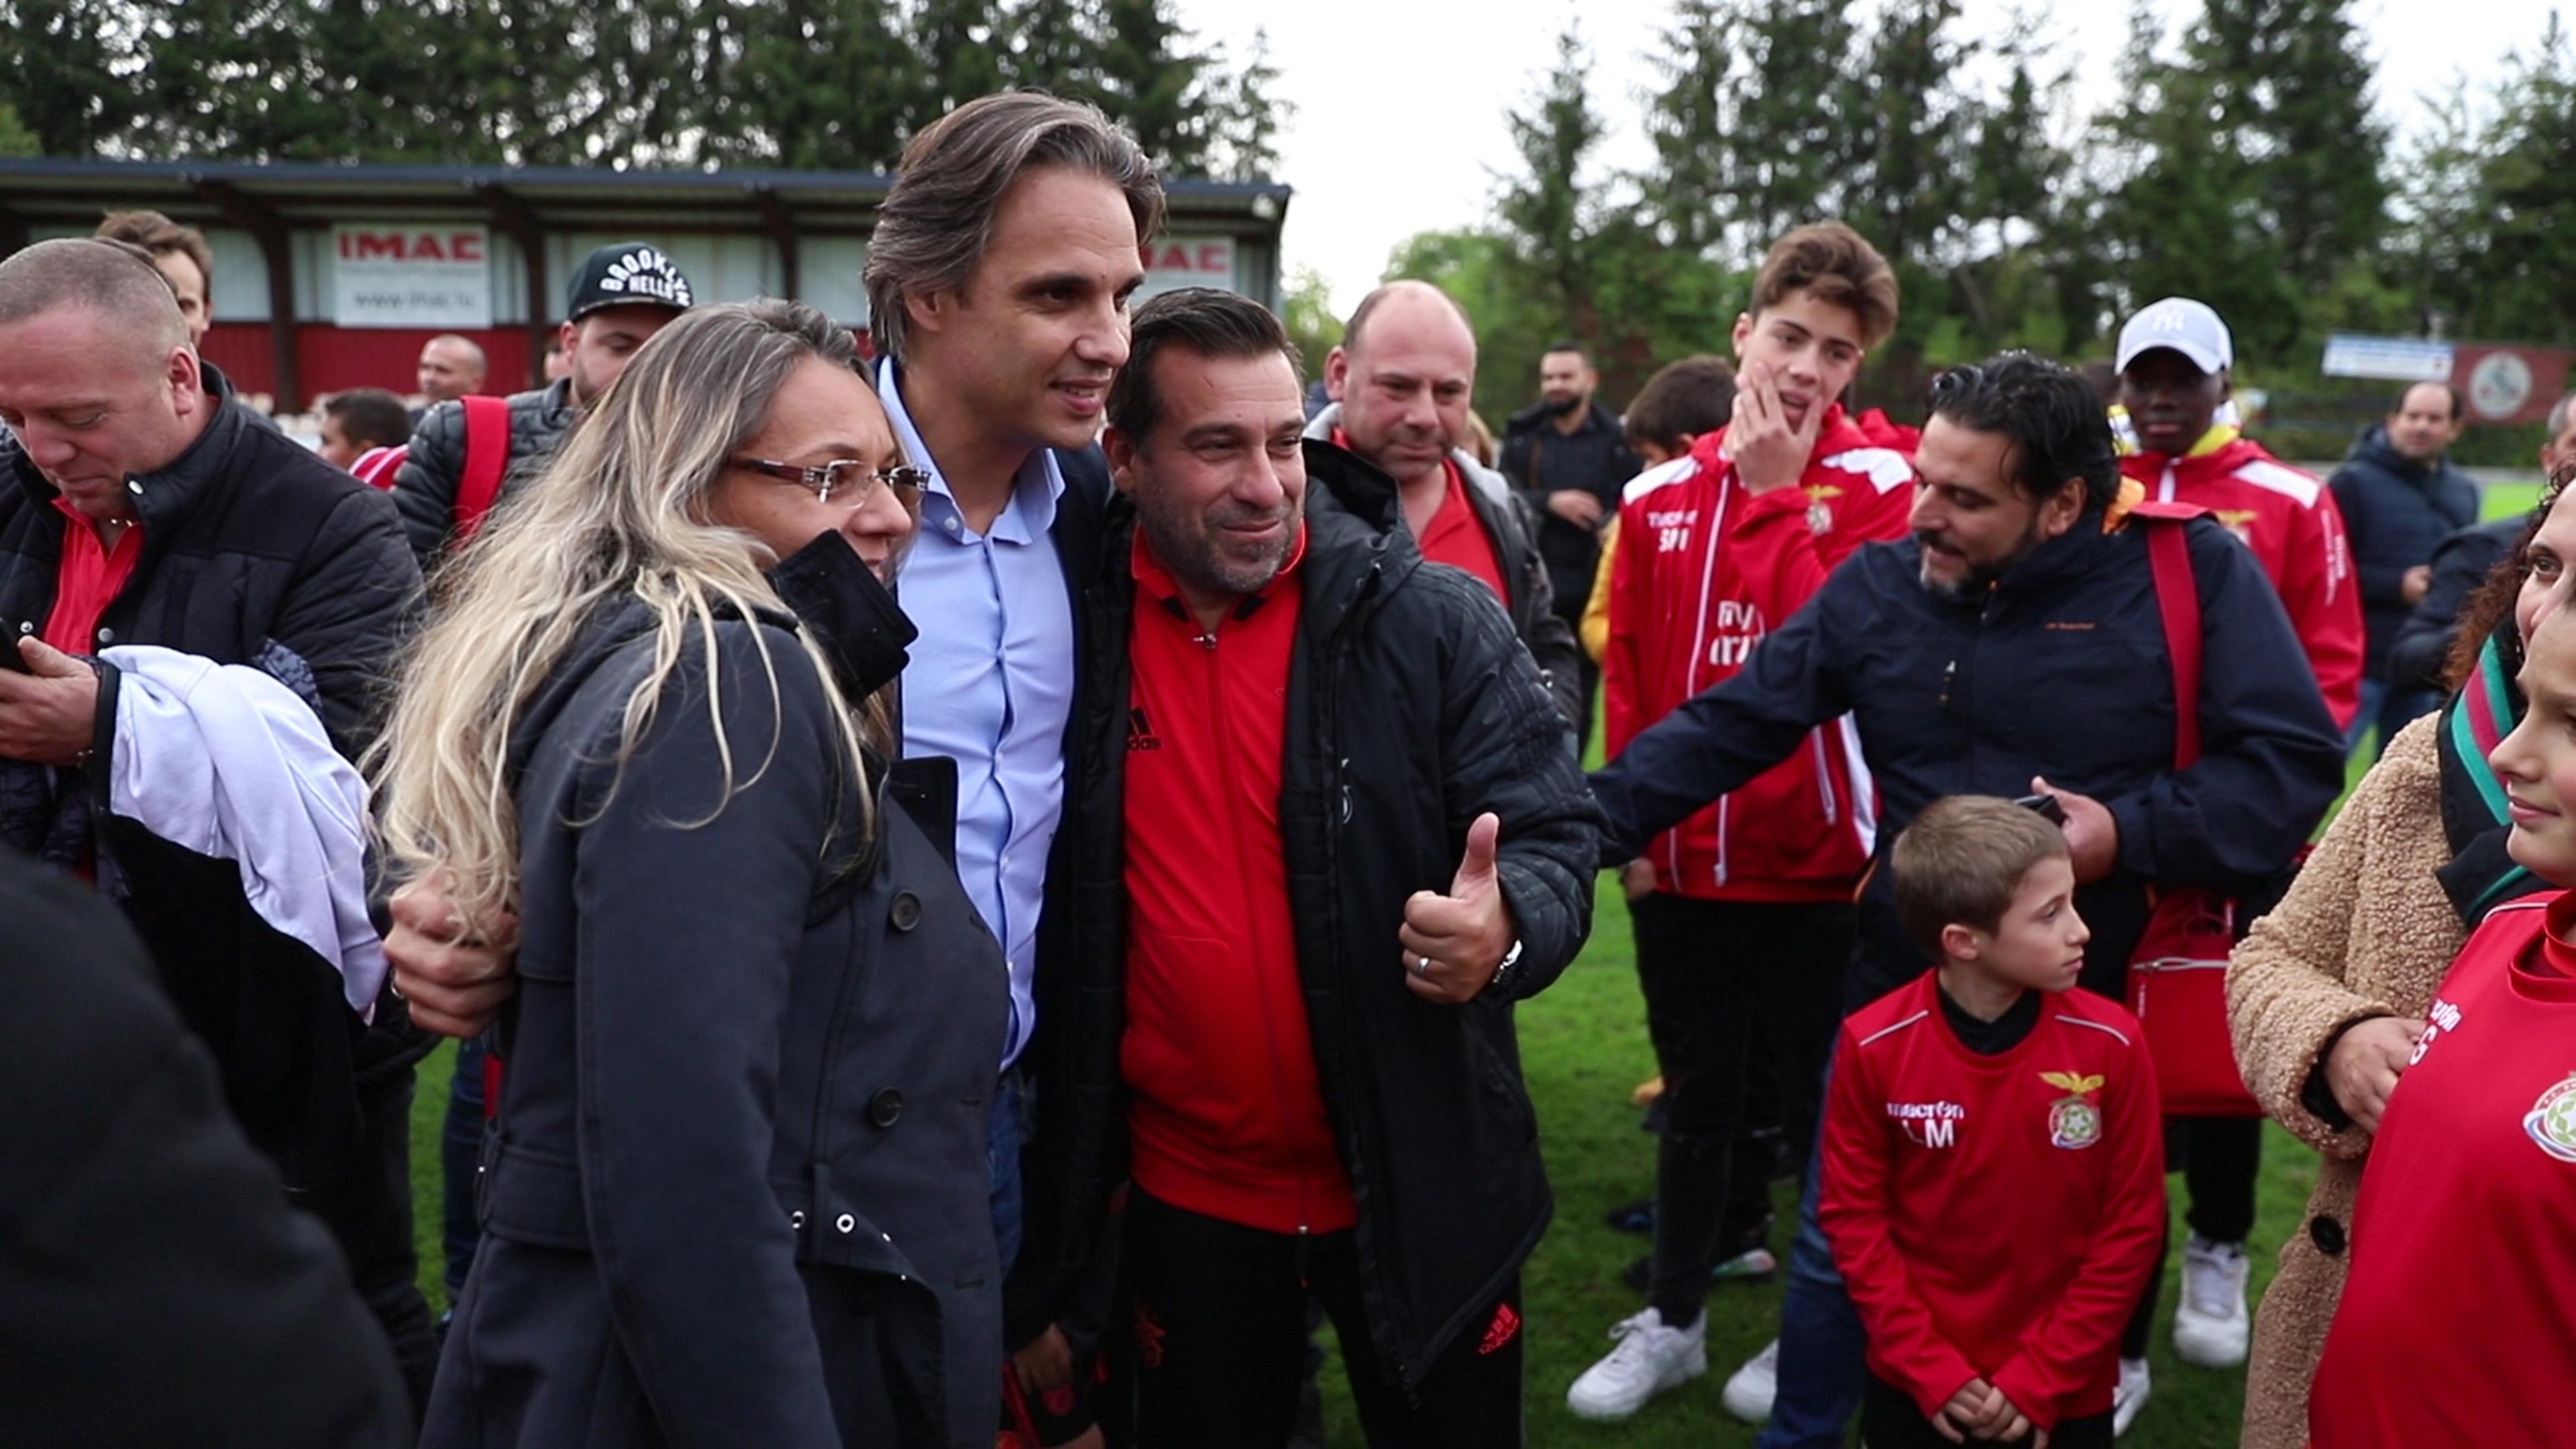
<point>1568,456</point>
<point>1352,836</point>
<point>2012,645</point>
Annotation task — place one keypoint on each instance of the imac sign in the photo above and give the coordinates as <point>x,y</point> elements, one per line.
<point>412,276</point>
<point>1187,261</point>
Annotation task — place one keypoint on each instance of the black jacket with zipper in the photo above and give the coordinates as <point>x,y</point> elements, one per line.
<point>1530,596</point>
<point>254,552</point>
<point>1412,708</point>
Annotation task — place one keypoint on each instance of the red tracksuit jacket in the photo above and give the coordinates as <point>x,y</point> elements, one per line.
<point>1994,1216</point>
<point>2456,1318</point>
<point>1703,568</point>
<point>2290,521</point>
<point>1224,1108</point>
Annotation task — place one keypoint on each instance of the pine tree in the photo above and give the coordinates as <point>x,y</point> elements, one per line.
<point>1150,79</point>
<point>69,69</point>
<point>1686,120</point>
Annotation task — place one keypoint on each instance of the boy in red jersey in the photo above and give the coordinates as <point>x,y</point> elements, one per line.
<point>2015,1119</point>
<point>1744,914</point>
<point>2452,1328</point>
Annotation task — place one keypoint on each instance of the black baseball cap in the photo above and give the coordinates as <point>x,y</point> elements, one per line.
<point>628,274</point>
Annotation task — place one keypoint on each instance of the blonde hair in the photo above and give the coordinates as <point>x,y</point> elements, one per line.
<point>619,512</point>
<point>1962,861</point>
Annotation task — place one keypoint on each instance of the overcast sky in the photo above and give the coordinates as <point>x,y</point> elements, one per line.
<point>1399,124</point>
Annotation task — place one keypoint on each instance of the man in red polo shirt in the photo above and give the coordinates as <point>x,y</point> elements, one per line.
<point>1400,382</point>
<point>1351,837</point>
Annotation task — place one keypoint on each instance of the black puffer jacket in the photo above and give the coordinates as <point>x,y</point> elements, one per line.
<point>148,1273</point>
<point>254,551</point>
<point>2396,511</point>
<point>1532,597</point>
<point>1411,710</point>
<point>425,487</point>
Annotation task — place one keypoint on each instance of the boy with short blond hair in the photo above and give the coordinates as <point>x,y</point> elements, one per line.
<point>2015,1117</point>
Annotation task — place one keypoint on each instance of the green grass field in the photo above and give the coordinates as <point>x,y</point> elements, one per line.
<point>1584,1047</point>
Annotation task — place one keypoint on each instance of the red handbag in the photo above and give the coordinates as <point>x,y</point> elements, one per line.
<point>2178,973</point>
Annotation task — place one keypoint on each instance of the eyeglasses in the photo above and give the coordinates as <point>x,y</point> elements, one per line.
<point>843,482</point>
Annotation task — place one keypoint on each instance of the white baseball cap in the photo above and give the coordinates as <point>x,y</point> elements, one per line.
<point>2183,325</point>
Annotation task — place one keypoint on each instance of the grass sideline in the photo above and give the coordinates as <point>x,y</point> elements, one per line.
<point>1583,1046</point>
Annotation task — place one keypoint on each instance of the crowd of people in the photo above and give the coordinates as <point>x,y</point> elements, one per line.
<point>984,874</point>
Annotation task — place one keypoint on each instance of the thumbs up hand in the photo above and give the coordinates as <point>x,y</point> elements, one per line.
<point>1453,944</point>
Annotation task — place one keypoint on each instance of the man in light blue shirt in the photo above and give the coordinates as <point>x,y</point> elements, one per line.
<point>998,279</point>
<point>990,685</point>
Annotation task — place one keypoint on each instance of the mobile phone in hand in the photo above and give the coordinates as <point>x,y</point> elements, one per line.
<point>2046,807</point>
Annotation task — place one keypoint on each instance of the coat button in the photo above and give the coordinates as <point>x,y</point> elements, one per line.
<point>796,1220</point>
<point>2327,1234</point>
<point>885,1106</point>
<point>907,911</point>
<point>845,1222</point>
<point>107,636</point>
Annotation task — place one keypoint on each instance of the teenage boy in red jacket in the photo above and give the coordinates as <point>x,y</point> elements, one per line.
<point>1993,1154</point>
<point>2175,359</point>
<point>1750,922</point>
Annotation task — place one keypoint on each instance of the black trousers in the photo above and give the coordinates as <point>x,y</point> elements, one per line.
<point>1220,1342</point>
<point>368,1211</point>
<point>1570,609</point>
<point>1715,974</point>
<point>2220,1158</point>
<point>1889,1420</point>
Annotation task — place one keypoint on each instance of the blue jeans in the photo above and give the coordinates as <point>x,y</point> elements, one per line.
<point>2391,709</point>
<point>1824,1351</point>
<point>1002,1141</point>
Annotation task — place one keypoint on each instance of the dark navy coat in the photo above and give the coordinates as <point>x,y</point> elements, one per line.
<point>737,1191</point>
<point>2396,512</point>
<point>2060,671</point>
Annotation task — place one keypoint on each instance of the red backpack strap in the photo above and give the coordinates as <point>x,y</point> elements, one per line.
<point>2178,600</point>
<point>487,456</point>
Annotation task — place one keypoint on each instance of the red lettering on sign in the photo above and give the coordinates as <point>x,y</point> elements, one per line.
<point>1212,257</point>
<point>425,246</point>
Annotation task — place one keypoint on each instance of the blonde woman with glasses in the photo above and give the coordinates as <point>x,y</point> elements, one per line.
<point>735,1188</point>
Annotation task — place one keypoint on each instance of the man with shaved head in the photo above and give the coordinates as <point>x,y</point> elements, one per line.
<point>1400,384</point>
<point>141,505</point>
<point>451,367</point>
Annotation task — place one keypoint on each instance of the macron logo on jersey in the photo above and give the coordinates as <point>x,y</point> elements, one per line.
<point>2440,1017</point>
<point>1929,1124</point>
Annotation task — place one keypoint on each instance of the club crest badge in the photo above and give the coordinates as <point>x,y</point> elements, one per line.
<point>2073,1120</point>
<point>1820,519</point>
<point>2552,1120</point>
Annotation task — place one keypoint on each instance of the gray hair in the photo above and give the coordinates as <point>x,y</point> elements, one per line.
<point>936,222</point>
<point>115,279</point>
<point>2558,415</point>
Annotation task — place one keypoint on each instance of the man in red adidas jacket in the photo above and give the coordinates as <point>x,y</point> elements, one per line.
<point>1750,921</point>
<point>2175,359</point>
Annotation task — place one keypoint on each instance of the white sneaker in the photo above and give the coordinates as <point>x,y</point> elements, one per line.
<point>1750,1392</point>
<point>2130,1396</point>
<point>1650,1358</point>
<point>2210,1324</point>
